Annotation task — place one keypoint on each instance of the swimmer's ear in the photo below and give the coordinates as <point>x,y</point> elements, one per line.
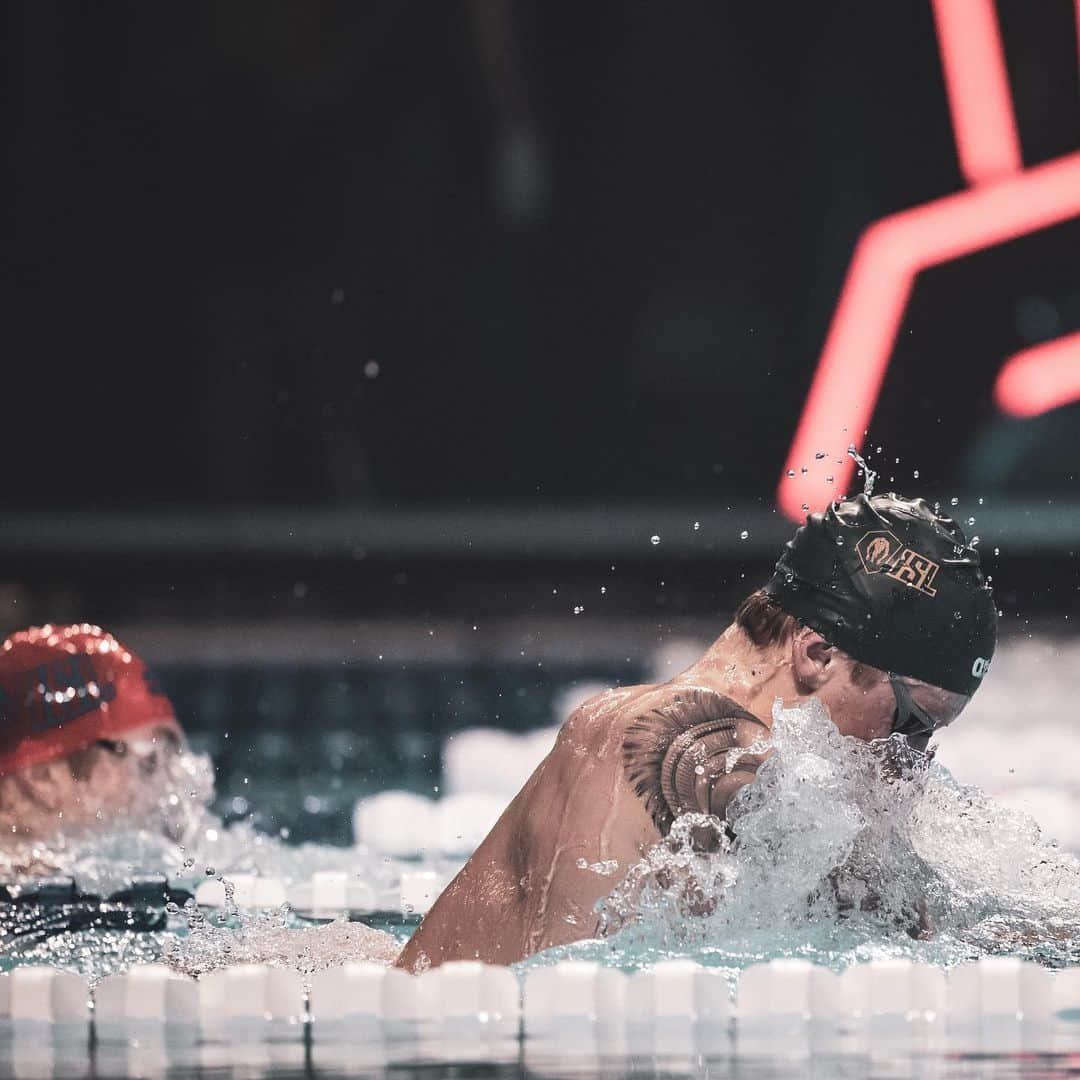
<point>813,660</point>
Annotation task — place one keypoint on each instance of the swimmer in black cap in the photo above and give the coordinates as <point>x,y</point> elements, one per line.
<point>877,608</point>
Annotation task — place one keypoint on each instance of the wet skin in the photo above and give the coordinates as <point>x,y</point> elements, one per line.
<point>525,888</point>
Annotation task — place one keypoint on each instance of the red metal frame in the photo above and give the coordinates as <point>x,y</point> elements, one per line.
<point>1004,202</point>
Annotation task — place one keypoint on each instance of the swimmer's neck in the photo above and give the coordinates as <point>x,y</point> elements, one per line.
<point>749,674</point>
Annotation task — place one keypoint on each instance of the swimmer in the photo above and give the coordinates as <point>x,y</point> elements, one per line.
<point>877,608</point>
<point>86,736</point>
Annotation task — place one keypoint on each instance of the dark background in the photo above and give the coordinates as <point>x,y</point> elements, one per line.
<point>385,253</point>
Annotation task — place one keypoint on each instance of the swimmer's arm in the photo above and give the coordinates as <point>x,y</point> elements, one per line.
<point>479,916</point>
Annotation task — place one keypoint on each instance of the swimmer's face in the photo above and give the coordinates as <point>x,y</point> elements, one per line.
<point>860,699</point>
<point>120,782</point>
<point>864,705</point>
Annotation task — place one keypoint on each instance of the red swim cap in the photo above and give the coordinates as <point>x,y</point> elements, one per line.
<point>64,687</point>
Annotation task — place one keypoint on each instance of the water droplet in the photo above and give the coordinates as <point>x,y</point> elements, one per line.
<point>654,539</point>
<point>791,472</point>
<point>211,872</point>
<point>806,507</point>
<point>971,521</point>
<point>915,473</point>
<point>828,479</point>
<point>744,534</point>
<point>819,455</point>
<point>997,551</point>
<point>699,769</point>
<point>804,470</point>
<point>578,609</point>
<point>953,501</point>
<point>371,369</point>
<point>697,524</point>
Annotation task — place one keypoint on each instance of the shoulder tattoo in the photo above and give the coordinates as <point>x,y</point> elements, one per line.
<point>676,754</point>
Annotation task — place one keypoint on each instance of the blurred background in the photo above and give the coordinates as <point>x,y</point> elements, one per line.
<point>383,370</point>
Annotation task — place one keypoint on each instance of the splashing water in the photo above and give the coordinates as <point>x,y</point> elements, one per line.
<point>175,835</point>
<point>869,476</point>
<point>845,851</point>
<point>152,837</point>
<point>272,937</point>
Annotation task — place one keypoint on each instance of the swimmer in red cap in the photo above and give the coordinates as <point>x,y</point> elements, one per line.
<point>86,734</point>
<point>878,609</point>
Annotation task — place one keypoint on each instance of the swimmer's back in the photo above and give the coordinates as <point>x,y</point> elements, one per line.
<point>583,818</point>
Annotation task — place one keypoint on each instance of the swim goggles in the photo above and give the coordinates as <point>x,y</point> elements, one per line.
<point>909,718</point>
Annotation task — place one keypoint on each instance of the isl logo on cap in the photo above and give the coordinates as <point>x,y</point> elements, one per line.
<point>882,552</point>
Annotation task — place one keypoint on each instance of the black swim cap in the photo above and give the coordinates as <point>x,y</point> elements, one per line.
<point>895,585</point>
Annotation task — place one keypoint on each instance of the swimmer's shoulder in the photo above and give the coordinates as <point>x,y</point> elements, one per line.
<point>690,748</point>
<point>593,721</point>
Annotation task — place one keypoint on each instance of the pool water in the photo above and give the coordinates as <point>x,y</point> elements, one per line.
<point>845,854</point>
